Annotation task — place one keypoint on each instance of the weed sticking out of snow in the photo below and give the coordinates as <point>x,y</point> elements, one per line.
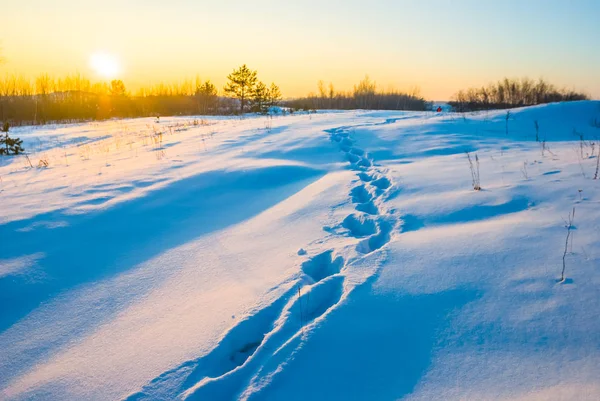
<point>474,167</point>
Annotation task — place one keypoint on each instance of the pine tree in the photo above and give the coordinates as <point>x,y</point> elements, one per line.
<point>274,95</point>
<point>3,139</point>
<point>3,145</point>
<point>241,84</point>
<point>260,97</point>
<point>10,145</point>
<point>14,145</point>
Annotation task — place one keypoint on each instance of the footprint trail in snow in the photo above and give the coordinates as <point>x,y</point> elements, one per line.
<point>256,349</point>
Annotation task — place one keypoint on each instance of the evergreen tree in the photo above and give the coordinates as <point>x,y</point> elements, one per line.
<point>241,84</point>
<point>260,97</point>
<point>10,145</point>
<point>274,95</point>
<point>3,142</point>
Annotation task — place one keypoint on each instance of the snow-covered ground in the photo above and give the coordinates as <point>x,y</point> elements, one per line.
<point>343,255</point>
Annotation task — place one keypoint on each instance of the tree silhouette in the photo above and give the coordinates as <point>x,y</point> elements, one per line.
<point>241,84</point>
<point>260,97</point>
<point>117,88</point>
<point>207,96</point>
<point>10,145</point>
<point>274,95</point>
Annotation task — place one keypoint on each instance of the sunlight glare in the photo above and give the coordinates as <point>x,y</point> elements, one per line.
<point>105,65</point>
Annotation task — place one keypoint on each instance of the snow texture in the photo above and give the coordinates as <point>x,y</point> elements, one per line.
<point>338,255</point>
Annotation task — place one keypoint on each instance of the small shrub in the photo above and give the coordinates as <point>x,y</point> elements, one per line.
<point>8,145</point>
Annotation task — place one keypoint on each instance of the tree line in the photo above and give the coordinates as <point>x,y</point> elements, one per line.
<point>364,95</point>
<point>75,98</point>
<point>510,93</point>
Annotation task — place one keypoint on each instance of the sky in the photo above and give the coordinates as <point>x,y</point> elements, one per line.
<point>439,46</point>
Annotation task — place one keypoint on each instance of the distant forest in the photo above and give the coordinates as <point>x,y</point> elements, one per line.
<point>365,95</point>
<point>75,98</point>
<point>510,93</point>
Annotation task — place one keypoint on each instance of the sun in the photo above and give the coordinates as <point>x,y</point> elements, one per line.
<point>106,65</point>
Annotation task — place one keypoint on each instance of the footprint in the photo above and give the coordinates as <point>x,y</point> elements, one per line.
<point>239,356</point>
<point>360,194</point>
<point>367,207</point>
<point>318,299</point>
<point>312,303</point>
<point>345,148</point>
<point>352,158</point>
<point>364,177</point>
<point>359,225</point>
<point>322,265</point>
<point>236,347</point>
<point>382,183</point>
<point>364,162</point>
<point>376,241</point>
<point>346,142</point>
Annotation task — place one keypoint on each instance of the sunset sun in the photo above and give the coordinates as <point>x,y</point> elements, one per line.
<point>283,200</point>
<point>105,65</point>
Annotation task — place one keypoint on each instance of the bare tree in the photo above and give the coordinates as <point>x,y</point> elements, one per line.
<point>117,88</point>
<point>322,93</point>
<point>206,95</point>
<point>44,84</point>
<point>364,93</point>
<point>508,93</point>
<point>331,94</point>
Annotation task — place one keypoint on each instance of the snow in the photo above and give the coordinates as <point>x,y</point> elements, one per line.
<point>337,255</point>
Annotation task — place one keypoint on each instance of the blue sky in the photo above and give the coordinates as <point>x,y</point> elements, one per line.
<point>439,46</point>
